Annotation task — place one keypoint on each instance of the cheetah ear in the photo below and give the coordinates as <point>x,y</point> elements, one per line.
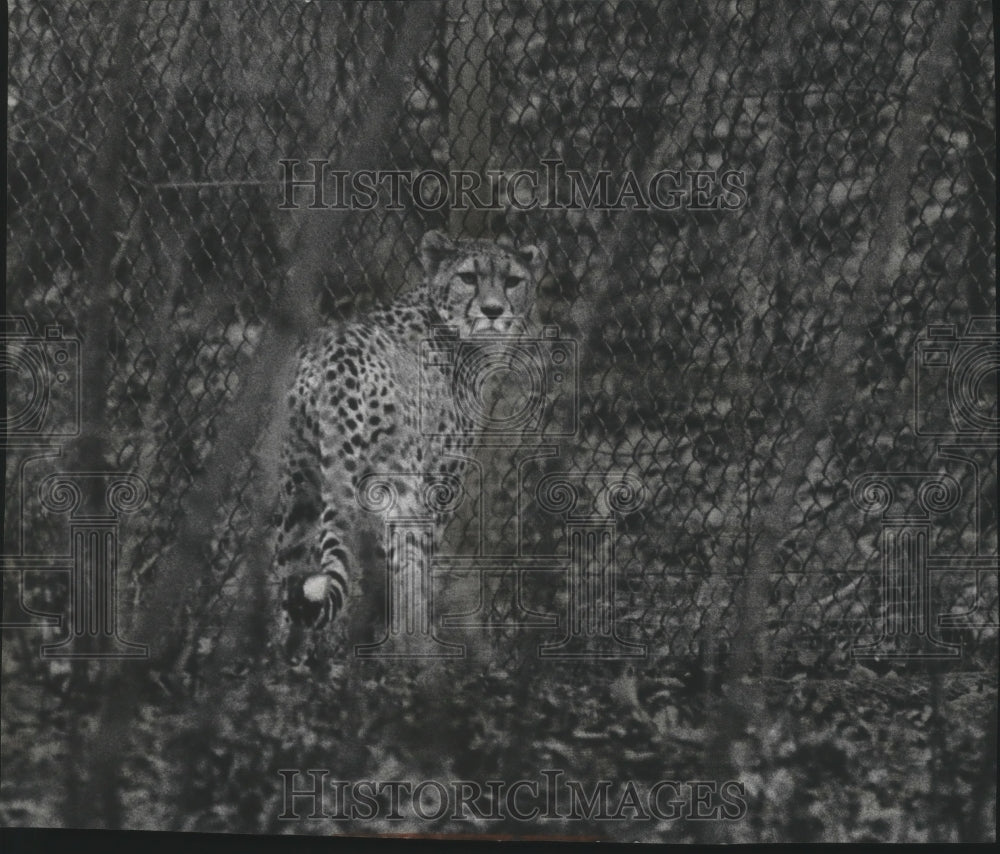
<point>531,257</point>
<point>434,248</point>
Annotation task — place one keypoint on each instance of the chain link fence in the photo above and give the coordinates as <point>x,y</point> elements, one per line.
<point>745,349</point>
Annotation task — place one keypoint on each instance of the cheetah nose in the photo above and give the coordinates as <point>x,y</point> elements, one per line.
<point>492,311</point>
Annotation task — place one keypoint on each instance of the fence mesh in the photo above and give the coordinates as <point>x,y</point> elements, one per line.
<point>861,138</point>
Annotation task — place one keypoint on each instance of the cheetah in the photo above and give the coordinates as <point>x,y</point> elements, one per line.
<point>356,407</point>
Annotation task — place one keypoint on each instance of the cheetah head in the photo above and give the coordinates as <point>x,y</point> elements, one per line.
<point>480,285</point>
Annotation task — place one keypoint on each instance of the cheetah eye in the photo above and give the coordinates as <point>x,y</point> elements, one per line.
<point>468,278</point>
<point>513,281</point>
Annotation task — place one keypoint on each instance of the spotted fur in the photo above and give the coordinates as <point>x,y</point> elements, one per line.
<point>354,410</point>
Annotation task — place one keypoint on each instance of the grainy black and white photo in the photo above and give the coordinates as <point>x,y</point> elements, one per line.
<point>501,420</point>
